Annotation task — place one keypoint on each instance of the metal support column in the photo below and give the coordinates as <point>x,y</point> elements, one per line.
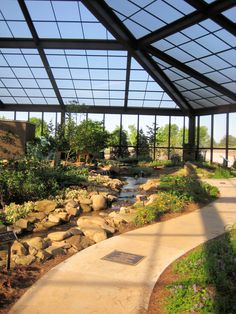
<point>154,137</point>
<point>42,124</point>
<point>198,137</point>
<point>137,137</point>
<point>169,135</point>
<point>120,137</point>
<point>227,140</point>
<point>212,138</point>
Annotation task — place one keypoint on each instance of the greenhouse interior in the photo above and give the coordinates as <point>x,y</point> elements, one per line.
<point>116,115</point>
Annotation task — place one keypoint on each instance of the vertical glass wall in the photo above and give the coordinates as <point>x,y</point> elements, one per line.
<point>205,138</point>
<point>219,138</point>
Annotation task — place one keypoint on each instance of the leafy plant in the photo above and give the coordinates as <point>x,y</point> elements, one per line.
<point>164,203</point>
<point>206,278</point>
<point>14,212</point>
<point>188,188</point>
<point>221,173</point>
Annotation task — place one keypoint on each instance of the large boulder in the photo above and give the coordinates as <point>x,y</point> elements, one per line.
<point>150,185</point>
<point>46,206</point>
<point>54,218</point>
<point>54,250</point>
<point>22,223</point>
<point>59,236</point>
<point>85,208</point>
<point>37,215</point>
<point>99,221</point>
<point>94,232</point>
<point>99,202</point>
<point>86,242</point>
<point>43,256</point>
<point>24,260</point>
<point>74,241</point>
<point>37,242</point>
<point>18,248</point>
<point>3,228</point>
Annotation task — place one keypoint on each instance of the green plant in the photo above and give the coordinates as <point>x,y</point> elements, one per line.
<point>14,212</point>
<point>164,203</point>
<point>206,278</point>
<point>221,173</point>
<point>189,188</point>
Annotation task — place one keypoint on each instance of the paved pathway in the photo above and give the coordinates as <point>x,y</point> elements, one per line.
<point>86,284</point>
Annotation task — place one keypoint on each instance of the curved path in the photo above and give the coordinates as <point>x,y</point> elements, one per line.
<point>86,284</point>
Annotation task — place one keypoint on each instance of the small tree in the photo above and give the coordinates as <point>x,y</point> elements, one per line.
<point>119,151</point>
<point>90,138</point>
<point>38,127</point>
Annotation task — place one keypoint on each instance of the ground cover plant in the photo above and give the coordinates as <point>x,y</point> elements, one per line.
<point>26,180</point>
<point>206,279</point>
<point>175,192</point>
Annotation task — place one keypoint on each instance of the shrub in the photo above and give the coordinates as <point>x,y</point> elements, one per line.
<point>188,188</point>
<point>31,180</point>
<point>14,212</point>
<point>164,203</point>
<point>221,173</point>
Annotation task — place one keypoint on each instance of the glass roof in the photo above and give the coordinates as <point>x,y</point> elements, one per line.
<point>128,53</point>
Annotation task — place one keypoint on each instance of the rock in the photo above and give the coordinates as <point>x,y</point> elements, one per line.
<point>86,201</point>
<point>99,202</point>
<point>151,199</point>
<point>32,251</point>
<point>115,184</point>
<point>94,232</point>
<point>43,256</point>
<point>46,206</point>
<point>63,216</point>
<point>149,185</point>
<point>54,218</point>
<point>17,230</point>
<point>37,215</point>
<point>86,242</point>
<point>59,236</point>
<point>18,248</point>
<point>74,241</point>
<point>22,223</point>
<point>61,244</point>
<point>39,227</point>
<point>71,204</point>
<point>112,198</point>
<point>123,210</point>
<point>86,208</point>
<point>53,250</point>
<point>24,260</point>
<point>119,218</point>
<point>50,224</point>
<point>73,211</point>
<point>75,231</point>
<point>37,242</point>
<point>3,228</point>
<point>99,221</point>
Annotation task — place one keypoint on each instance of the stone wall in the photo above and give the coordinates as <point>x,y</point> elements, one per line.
<point>13,138</point>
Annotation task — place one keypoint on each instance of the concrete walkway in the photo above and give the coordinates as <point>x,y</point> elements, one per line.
<point>86,284</point>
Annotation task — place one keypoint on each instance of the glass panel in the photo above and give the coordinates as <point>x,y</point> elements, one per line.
<point>232,130</point>
<point>205,131</point>
<point>219,133</point>
<point>176,138</point>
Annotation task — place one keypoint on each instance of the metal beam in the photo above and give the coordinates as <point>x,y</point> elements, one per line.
<point>193,73</point>
<point>95,109</point>
<point>213,11</point>
<point>214,110</point>
<point>93,44</point>
<point>174,27</point>
<point>127,80</point>
<point>40,50</point>
<point>106,16</point>
<point>203,11</point>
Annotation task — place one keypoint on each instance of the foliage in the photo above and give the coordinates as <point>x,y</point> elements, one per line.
<point>140,171</point>
<point>175,159</point>
<point>30,180</point>
<point>164,203</point>
<point>41,128</point>
<point>207,278</point>
<point>221,173</point>
<point>188,188</point>
<point>14,212</point>
<point>115,142</point>
<point>91,137</point>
